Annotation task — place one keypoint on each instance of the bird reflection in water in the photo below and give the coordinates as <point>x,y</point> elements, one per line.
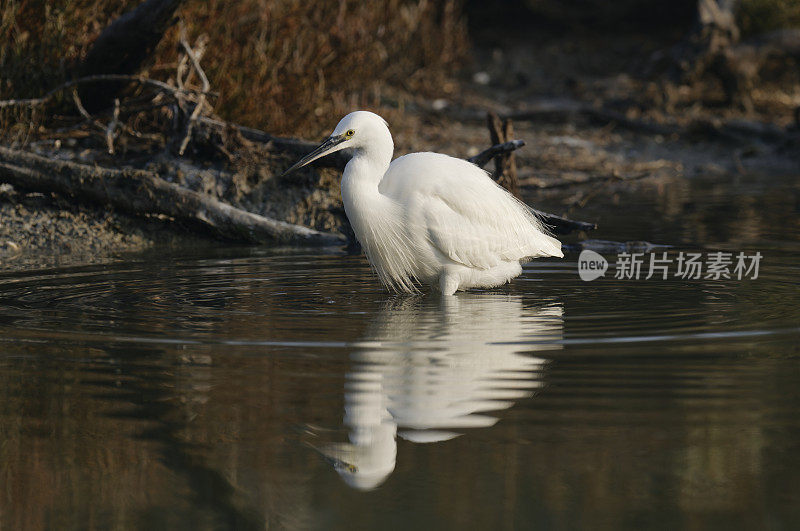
<point>428,369</point>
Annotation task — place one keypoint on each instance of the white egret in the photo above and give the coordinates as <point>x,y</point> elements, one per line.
<point>427,217</point>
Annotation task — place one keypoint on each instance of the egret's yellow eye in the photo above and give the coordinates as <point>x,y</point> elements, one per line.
<point>349,133</point>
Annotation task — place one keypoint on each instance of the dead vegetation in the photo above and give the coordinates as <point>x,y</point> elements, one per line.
<point>274,65</point>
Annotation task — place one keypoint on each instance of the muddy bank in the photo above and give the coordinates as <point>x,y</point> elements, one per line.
<point>39,230</point>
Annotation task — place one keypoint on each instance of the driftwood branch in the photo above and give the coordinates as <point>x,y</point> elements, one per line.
<point>83,112</point>
<point>483,158</point>
<point>111,129</point>
<point>142,192</point>
<point>182,76</point>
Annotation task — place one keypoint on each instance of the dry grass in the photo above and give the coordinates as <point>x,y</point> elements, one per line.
<point>39,42</point>
<point>279,65</point>
<point>759,16</point>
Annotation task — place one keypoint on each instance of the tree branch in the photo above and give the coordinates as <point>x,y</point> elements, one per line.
<point>483,158</point>
<point>35,102</point>
<point>201,101</point>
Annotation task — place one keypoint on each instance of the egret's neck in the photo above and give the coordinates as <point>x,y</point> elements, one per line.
<point>377,220</point>
<point>360,181</point>
<point>369,164</point>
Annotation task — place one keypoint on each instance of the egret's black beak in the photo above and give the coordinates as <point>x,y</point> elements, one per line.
<point>323,149</point>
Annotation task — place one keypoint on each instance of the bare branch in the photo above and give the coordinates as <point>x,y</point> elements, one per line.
<point>483,158</point>
<point>206,86</point>
<point>81,108</point>
<point>90,119</point>
<point>112,127</point>
<point>36,102</point>
<point>183,77</point>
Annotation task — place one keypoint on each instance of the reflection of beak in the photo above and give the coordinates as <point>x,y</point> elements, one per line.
<point>329,146</point>
<point>333,454</point>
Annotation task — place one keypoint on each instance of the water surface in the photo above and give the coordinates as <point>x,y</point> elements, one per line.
<point>252,388</point>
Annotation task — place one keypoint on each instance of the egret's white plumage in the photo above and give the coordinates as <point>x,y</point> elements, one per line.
<point>428,217</point>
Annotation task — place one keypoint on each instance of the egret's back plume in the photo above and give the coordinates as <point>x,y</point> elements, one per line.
<point>427,217</point>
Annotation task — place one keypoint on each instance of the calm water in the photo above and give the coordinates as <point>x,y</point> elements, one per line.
<point>250,388</point>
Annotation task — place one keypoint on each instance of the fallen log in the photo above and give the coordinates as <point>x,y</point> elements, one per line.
<point>139,192</point>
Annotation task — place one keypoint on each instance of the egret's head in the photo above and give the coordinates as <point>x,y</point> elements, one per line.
<point>357,130</point>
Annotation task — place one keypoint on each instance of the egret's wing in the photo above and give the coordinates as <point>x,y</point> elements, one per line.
<point>465,215</point>
<point>486,231</point>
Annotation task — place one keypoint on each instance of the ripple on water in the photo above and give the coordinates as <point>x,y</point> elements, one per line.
<point>304,299</point>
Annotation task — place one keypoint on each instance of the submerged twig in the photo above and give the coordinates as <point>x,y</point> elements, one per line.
<point>560,225</point>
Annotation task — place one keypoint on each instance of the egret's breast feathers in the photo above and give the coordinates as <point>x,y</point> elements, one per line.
<point>390,249</point>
